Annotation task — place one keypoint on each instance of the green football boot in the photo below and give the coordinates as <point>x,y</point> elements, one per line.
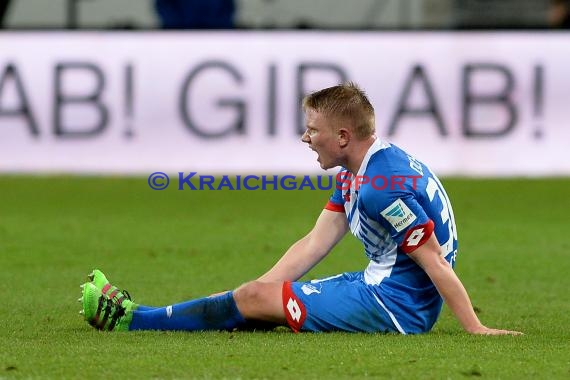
<point>100,281</point>
<point>102,312</point>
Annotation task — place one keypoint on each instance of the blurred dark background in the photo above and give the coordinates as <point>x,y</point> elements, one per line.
<point>285,14</point>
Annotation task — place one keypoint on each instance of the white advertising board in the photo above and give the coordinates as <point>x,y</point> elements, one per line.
<point>482,104</point>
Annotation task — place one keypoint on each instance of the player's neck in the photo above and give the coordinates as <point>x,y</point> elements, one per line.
<point>355,158</point>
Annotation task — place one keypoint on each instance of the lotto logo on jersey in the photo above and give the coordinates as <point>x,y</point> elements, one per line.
<point>416,236</point>
<point>295,311</point>
<point>398,215</point>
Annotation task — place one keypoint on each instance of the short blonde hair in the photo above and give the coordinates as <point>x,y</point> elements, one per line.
<point>345,101</point>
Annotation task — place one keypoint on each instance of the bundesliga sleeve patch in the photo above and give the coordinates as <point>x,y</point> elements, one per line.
<point>417,236</point>
<point>398,215</point>
<point>294,309</point>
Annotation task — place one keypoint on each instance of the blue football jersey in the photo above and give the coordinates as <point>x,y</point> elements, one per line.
<point>393,205</point>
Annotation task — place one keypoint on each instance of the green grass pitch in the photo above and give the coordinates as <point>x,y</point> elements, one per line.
<point>169,246</point>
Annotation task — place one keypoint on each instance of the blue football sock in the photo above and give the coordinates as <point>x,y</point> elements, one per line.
<point>209,313</point>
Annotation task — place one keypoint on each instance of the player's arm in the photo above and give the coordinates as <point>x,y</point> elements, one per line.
<point>329,229</point>
<point>450,287</point>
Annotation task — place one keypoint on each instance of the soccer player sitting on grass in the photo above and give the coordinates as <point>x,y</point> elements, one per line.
<point>406,226</point>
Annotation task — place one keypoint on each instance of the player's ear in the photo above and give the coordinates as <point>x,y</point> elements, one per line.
<point>343,137</point>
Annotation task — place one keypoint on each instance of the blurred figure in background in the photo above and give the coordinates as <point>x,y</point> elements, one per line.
<point>559,14</point>
<point>196,14</point>
<point>3,10</point>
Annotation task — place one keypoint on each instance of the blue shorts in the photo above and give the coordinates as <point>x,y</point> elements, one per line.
<point>339,303</point>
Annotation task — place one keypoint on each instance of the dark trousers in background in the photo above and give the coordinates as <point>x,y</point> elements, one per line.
<point>196,14</point>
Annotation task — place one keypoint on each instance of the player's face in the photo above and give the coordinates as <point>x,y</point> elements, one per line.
<point>321,137</point>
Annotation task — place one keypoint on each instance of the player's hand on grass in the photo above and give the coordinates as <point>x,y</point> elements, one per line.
<point>483,330</point>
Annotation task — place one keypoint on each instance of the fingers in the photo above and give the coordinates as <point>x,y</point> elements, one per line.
<point>507,332</point>
<point>489,331</point>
